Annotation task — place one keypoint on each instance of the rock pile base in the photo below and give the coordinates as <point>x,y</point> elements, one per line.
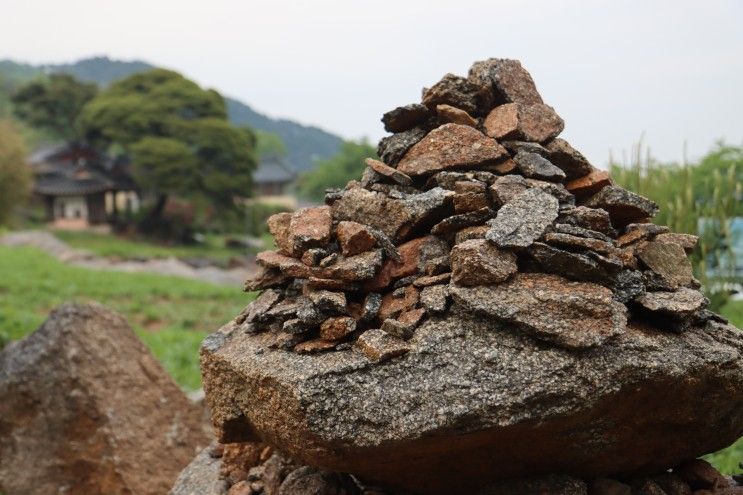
<point>482,304</point>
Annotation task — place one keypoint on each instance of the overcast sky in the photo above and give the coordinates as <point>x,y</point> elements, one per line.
<point>613,70</point>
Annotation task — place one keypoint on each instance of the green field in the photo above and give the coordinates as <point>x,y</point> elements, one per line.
<point>170,314</point>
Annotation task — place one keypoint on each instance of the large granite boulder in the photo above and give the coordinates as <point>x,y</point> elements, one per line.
<point>85,408</point>
<point>474,401</point>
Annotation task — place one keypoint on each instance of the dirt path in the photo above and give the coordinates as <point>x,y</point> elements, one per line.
<point>163,266</point>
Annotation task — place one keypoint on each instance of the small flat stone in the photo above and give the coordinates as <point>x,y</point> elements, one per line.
<point>259,305</point>
<point>278,226</point>
<point>295,326</point>
<point>467,233</point>
<point>515,147</point>
<point>336,328</point>
<point>507,166</point>
<point>555,189</point>
<point>534,166</point>
<point>523,220</point>
<point>451,146</point>
<point>575,266</point>
<point>331,284</point>
<point>502,80</point>
<point>687,241</point>
<point>435,298</point>
<point>356,268</point>
<point>392,148</point>
<point>314,346</point>
<point>680,303</point>
<point>354,238</point>
<point>310,228</point>
<point>565,228</point>
<point>379,346</point>
<point>470,201</point>
<point>328,302</point>
<point>507,188</point>
<point>626,285</point>
<point>448,114</point>
<point>265,278</point>
<point>571,161</point>
<point>413,256</point>
<point>574,315</point>
<point>432,279</point>
<point>371,306</point>
<point>478,262</point>
<point>389,172</point>
<point>288,266</point>
<point>437,265</point>
<point>624,207</point>
<point>588,218</point>
<point>313,256</point>
<point>452,90</point>
<point>406,117</point>
<point>538,123</point>
<point>589,184</point>
<point>393,306</point>
<point>400,329</point>
<point>577,242</point>
<point>454,223</point>
<point>668,260</point>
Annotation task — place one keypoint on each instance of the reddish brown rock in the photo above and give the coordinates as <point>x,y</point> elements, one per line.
<point>452,115</point>
<point>679,304</point>
<point>413,255</point>
<point>506,188</point>
<point>588,218</point>
<point>85,408</point>
<point>687,241</point>
<point>432,280</point>
<point>478,262</point>
<point>452,90</point>
<point>287,265</point>
<point>700,475</point>
<point>589,184</point>
<point>392,306</point>
<point>378,346</point>
<point>356,268</point>
<point>476,232</point>
<point>501,80</point>
<point>507,166</point>
<point>624,207</point>
<point>389,172</point>
<point>278,226</point>
<point>470,201</point>
<point>265,278</point>
<point>354,238</point>
<point>536,123</point>
<point>314,346</point>
<point>451,146</point>
<point>669,261</point>
<point>570,314</point>
<point>336,328</point>
<point>571,161</point>
<point>310,227</point>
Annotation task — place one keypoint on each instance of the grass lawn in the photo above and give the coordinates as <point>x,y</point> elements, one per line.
<point>171,315</point>
<point>126,247</point>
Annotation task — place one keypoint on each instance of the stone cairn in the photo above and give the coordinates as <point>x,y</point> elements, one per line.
<point>474,188</point>
<point>483,312</point>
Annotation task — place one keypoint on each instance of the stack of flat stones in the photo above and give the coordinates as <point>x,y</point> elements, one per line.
<point>476,201</point>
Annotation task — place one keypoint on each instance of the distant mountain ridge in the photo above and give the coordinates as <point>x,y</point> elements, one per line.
<point>304,144</point>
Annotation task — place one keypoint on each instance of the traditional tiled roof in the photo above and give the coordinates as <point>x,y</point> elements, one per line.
<point>273,169</point>
<point>80,181</point>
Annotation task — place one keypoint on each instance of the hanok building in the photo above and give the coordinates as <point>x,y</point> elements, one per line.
<point>272,181</point>
<point>79,188</point>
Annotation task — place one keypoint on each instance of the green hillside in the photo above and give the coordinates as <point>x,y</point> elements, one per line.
<point>304,144</point>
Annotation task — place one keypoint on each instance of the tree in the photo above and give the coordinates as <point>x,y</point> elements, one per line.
<point>15,174</point>
<point>346,165</point>
<point>54,104</point>
<point>178,137</point>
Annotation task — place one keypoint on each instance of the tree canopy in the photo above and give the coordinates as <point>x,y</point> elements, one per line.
<point>15,174</point>
<point>346,165</point>
<point>177,135</point>
<point>54,104</point>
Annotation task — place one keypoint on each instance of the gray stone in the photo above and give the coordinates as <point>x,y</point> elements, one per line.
<point>200,477</point>
<point>435,298</point>
<point>624,207</point>
<point>679,304</point>
<point>307,480</point>
<point>451,225</point>
<point>468,386</point>
<point>627,285</point>
<point>392,148</point>
<point>452,90</point>
<point>479,262</point>
<point>379,346</point>
<point>668,260</point>
<point>502,80</point>
<point>404,118</point>
<point>328,302</point>
<point>395,218</point>
<point>523,220</point>
<point>588,218</point>
<point>506,188</point>
<point>575,266</point>
<point>574,315</point>
<point>572,162</point>
<point>534,166</point>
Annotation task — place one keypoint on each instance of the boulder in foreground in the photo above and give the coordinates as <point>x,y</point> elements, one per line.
<point>85,408</point>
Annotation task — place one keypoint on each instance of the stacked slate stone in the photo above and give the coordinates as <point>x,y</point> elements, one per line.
<point>475,200</point>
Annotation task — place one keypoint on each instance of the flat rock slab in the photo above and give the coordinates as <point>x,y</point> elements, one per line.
<point>471,398</point>
<point>85,408</point>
